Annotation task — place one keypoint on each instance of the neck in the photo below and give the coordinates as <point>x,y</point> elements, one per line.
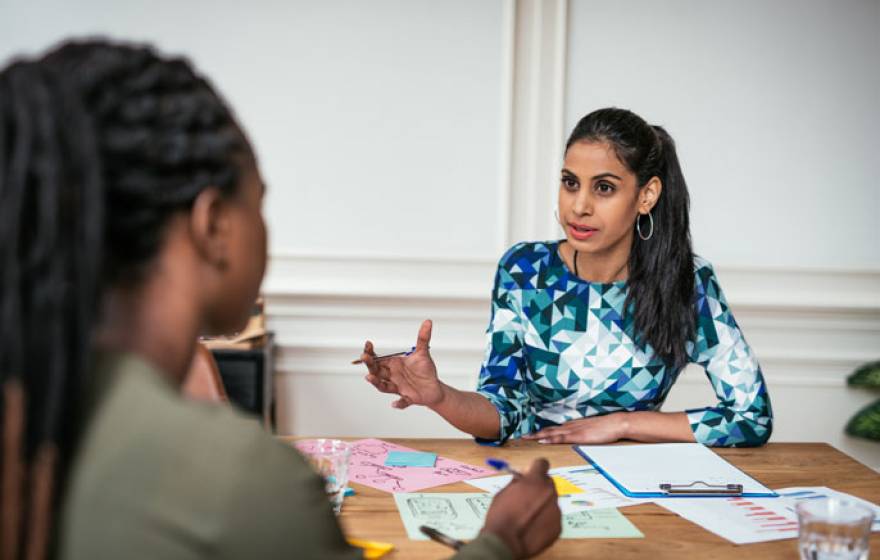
<point>603,268</point>
<point>156,320</point>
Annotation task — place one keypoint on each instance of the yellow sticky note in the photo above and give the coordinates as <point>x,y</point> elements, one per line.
<point>564,487</point>
<point>372,549</point>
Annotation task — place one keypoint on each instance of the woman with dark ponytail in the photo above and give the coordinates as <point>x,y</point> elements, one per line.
<point>589,333</point>
<point>131,223</point>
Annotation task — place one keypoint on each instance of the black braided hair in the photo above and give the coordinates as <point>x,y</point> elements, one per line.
<point>661,269</point>
<point>100,144</point>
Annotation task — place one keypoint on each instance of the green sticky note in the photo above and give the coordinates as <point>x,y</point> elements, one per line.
<point>461,516</point>
<point>410,459</point>
<point>598,523</point>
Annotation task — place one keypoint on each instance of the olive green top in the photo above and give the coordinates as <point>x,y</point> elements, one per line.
<point>157,476</point>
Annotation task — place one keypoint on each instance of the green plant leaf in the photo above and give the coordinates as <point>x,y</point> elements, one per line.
<point>866,422</point>
<point>867,375</point>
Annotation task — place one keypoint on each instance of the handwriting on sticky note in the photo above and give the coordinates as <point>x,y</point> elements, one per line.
<point>410,459</point>
<point>564,487</point>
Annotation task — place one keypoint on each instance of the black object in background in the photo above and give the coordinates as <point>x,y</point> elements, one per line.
<point>247,378</point>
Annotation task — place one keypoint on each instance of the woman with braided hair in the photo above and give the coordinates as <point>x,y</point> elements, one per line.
<point>130,223</point>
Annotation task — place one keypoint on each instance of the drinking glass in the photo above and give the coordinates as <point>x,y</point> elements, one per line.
<point>329,457</point>
<point>833,529</point>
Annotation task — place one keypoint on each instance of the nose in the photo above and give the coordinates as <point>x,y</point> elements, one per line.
<point>583,203</point>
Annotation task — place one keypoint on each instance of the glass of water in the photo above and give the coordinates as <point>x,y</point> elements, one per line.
<point>833,529</point>
<point>329,457</point>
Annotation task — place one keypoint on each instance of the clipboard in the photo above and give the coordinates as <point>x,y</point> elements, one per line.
<point>671,470</point>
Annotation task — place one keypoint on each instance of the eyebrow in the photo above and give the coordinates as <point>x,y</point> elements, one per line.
<point>599,176</point>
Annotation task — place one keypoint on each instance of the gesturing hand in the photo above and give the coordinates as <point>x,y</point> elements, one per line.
<point>413,377</point>
<point>585,431</point>
<point>526,515</point>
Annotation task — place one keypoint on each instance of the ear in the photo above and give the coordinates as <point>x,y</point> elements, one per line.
<point>209,226</point>
<point>649,195</point>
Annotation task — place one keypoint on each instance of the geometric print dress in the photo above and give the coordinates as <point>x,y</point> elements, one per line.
<point>560,348</point>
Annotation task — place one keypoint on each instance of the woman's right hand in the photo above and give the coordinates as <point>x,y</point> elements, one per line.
<point>413,378</point>
<point>526,514</point>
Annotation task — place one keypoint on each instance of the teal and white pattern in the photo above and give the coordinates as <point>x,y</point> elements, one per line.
<point>560,348</point>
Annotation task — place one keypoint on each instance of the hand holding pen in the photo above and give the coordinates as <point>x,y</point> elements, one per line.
<point>410,375</point>
<point>525,515</point>
<point>384,356</point>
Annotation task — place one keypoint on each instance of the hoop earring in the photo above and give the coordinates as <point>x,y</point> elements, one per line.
<point>639,228</point>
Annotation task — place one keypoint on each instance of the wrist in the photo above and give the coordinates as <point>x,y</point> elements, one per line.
<point>507,537</point>
<point>626,425</point>
<point>445,396</point>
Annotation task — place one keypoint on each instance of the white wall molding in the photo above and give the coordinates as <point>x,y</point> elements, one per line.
<point>403,277</point>
<point>538,116</point>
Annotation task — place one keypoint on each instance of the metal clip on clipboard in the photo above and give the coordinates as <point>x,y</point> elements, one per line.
<point>705,489</point>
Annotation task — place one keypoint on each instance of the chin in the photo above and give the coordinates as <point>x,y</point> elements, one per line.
<point>226,326</point>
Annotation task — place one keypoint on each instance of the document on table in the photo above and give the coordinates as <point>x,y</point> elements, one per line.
<point>639,470</point>
<point>596,491</point>
<point>751,520</point>
<point>367,466</point>
<point>461,516</point>
<point>739,520</point>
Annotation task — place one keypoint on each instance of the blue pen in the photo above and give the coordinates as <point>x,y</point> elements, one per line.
<point>503,466</point>
<point>377,358</point>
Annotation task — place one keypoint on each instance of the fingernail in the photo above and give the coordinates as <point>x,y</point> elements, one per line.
<point>543,441</point>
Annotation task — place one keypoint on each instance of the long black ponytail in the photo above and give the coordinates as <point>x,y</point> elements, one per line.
<point>661,268</point>
<point>100,144</point>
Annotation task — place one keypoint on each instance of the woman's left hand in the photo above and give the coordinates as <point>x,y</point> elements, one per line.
<point>594,430</point>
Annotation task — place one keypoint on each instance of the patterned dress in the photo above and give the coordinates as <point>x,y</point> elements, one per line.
<point>560,348</point>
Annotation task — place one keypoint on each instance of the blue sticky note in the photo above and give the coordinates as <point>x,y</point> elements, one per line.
<point>410,459</point>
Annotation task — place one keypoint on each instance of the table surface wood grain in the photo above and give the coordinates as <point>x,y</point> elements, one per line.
<point>371,514</point>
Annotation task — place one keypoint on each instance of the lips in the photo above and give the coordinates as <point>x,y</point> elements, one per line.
<point>581,232</point>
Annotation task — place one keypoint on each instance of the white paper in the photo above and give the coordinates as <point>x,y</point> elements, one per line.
<point>642,468</point>
<point>598,492</point>
<point>751,520</point>
<point>739,520</point>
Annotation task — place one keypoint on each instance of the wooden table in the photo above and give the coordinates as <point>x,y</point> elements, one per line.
<point>372,514</point>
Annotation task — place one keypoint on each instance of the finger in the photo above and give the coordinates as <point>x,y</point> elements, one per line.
<point>401,403</point>
<point>546,432</point>
<point>561,437</point>
<point>369,360</point>
<point>382,385</point>
<point>424,339</point>
<point>539,468</point>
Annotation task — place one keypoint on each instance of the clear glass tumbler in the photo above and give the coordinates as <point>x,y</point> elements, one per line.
<point>329,457</point>
<point>833,529</point>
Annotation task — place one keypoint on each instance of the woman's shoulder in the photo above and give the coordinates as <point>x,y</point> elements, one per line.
<point>703,269</point>
<point>706,284</point>
<point>704,272</point>
<point>529,254</point>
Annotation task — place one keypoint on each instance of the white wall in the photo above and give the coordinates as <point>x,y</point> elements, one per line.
<point>407,143</point>
<point>379,124</point>
<point>774,106</point>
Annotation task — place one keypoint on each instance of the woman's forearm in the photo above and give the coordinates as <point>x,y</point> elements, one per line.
<point>469,412</point>
<point>657,427</point>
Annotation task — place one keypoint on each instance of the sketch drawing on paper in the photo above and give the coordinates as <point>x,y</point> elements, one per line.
<point>432,508</point>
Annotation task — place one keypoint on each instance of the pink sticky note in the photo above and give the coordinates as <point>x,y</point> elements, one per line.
<point>367,466</point>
